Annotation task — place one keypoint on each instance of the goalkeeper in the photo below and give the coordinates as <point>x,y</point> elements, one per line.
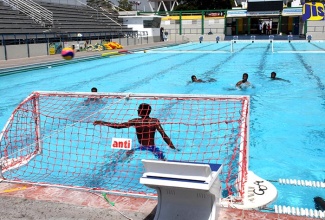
<point>146,128</point>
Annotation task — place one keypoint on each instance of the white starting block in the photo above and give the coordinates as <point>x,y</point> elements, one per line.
<point>186,191</point>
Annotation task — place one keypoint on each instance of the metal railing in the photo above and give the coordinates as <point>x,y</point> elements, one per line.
<point>33,10</point>
<point>109,17</point>
<point>89,7</point>
<point>98,12</point>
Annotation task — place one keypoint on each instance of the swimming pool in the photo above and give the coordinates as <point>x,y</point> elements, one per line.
<point>286,119</point>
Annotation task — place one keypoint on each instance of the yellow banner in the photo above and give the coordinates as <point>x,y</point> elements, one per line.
<point>313,11</point>
<point>52,50</point>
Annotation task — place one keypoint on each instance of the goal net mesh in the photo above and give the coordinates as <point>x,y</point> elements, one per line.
<point>50,139</point>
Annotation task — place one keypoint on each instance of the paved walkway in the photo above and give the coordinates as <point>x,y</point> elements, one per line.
<point>30,202</point>
<point>12,63</point>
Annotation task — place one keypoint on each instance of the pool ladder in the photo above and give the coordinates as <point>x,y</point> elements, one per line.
<point>313,213</point>
<point>302,183</point>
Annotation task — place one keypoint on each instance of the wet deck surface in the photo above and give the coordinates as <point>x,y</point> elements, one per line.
<point>131,207</point>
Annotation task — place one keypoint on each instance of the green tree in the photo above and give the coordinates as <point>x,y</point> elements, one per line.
<point>204,5</point>
<point>125,4</point>
<point>99,3</point>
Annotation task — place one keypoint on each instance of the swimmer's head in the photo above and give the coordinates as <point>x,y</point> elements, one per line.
<point>245,77</point>
<point>144,110</point>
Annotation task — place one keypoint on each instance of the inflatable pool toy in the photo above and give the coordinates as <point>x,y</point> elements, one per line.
<point>110,54</point>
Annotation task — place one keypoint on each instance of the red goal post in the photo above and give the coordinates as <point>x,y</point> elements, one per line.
<point>51,139</point>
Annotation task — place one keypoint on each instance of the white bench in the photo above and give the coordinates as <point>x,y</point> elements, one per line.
<point>186,191</point>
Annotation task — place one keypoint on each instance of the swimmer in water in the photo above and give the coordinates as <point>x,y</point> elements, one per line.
<point>244,82</point>
<point>273,77</point>
<point>194,79</point>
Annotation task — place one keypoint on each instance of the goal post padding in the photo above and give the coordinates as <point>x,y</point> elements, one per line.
<point>50,138</point>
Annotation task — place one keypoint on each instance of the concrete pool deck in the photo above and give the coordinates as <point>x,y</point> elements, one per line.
<point>25,201</point>
<point>12,63</point>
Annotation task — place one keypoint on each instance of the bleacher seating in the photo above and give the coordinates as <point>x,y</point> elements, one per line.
<point>13,22</point>
<point>67,19</point>
<point>83,18</point>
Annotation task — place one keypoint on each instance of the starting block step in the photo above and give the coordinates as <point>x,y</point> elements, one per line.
<point>186,190</point>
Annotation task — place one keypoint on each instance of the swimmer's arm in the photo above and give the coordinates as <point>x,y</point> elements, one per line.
<point>165,136</point>
<point>285,80</point>
<point>115,125</point>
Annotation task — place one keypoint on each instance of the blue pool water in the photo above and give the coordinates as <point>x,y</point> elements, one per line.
<point>287,119</point>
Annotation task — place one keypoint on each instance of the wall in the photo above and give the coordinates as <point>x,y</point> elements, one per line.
<point>2,53</point>
<point>17,51</point>
<point>34,50</point>
<point>135,41</point>
<point>192,29</point>
<point>38,50</point>
<point>206,37</point>
<point>316,29</point>
<point>23,51</point>
<point>136,23</point>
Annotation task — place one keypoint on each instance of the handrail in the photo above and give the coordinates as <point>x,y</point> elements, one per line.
<point>25,8</point>
<point>47,14</point>
<point>109,17</point>
<point>32,9</point>
<point>88,6</point>
<point>99,12</point>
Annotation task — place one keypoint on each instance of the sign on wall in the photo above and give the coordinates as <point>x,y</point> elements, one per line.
<point>292,12</point>
<point>313,11</point>
<point>236,13</point>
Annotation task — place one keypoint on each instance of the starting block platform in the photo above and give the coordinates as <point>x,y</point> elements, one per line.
<point>185,190</point>
<point>258,194</point>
